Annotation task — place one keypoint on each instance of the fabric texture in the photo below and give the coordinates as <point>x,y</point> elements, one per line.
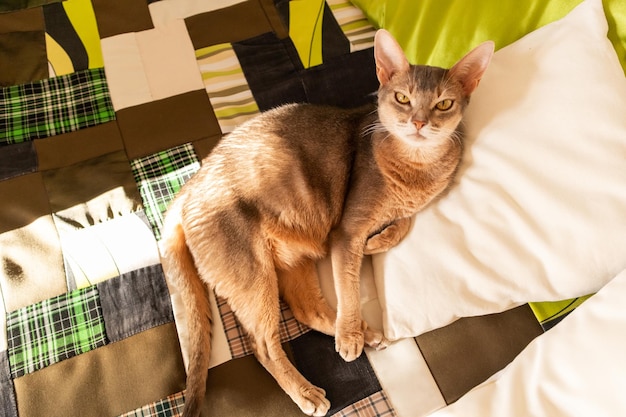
<point>574,369</point>
<point>18,159</point>
<point>537,214</point>
<point>53,330</point>
<point>314,355</point>
<point>7,390</point>
<point>110,380</point>
<point>470,350</point>
<point>160,177</point>
<point>124,317</point>
<point>54,106</point>
<point>81,206</point>
<point>436,33</point>
<point>170,407</point>
<point>72,38</point>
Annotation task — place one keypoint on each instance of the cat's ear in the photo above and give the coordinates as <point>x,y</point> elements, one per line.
<point>389,56</point>
<point>470,69</point>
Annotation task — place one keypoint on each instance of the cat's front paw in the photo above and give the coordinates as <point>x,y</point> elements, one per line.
<point>349,344</point>
<point>386,239</point>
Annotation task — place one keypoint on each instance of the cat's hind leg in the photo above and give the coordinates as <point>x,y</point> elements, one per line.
<point>258,311</point>
<point>300,288</point>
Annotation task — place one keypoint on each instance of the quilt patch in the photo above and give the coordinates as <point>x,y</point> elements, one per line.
<point>160,177</point>
<point>54,106</point>
<point>53,330</point>
<point>169,407</point>
<point>238,340</point>
<point>226,86</point>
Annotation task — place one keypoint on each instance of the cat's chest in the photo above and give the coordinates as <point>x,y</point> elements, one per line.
<point>408,194</point>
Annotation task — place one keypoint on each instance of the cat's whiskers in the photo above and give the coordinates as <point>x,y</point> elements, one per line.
<point>374,127</point>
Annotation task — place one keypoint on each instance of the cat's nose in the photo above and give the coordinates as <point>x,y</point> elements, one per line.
<point>419,124</point>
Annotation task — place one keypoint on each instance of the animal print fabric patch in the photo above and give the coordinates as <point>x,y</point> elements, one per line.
<point>160,176</point>
<point>169,407</point>
<point>53,330</point>
<point>54,106</point>
<point>72,39</point>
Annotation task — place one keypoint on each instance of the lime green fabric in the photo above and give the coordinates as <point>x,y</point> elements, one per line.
<point>307,34</point>
<point>550,311</point>
<point>439,32</point>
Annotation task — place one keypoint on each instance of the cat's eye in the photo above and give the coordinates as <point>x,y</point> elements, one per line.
<point>444,105</point>
<point>401,98</point>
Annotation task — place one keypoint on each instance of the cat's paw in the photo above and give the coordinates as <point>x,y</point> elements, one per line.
<point>312,401</point>
<point>383,241</point>
<point>375,339</point>
<point>349,344</point>
<point>376,244</point>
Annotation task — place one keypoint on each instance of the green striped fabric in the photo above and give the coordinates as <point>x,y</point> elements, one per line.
<point>353,23</point>
<point>54,106</point>
<point>160,176</point>
<point>226,86</point>
<point>55,329</point>
<point>169,407</point>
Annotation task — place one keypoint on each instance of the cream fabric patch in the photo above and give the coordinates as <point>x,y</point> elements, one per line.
<point>150,65</point>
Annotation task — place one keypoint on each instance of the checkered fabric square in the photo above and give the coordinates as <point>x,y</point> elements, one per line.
<point>160,176</point>
<point>238,340</point>
<point>55,105</point>
<point>376,405</point>
<point>53,330</point>
<point>171,406</point>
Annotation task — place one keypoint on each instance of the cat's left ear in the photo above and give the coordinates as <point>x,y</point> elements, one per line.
<point>470,69</point>
<point>390,58</point>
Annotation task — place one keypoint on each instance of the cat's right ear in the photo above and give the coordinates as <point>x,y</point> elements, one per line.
<point>389,56</point>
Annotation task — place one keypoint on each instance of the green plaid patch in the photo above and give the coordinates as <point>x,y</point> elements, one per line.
<point>169,407</point>
<point>53,330</point>
<point>55,105</point>
<point>160,176</point>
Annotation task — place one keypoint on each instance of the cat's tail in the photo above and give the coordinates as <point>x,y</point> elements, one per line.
<point>181,272</point>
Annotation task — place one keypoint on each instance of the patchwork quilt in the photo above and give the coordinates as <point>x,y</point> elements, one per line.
<point>107,107</point>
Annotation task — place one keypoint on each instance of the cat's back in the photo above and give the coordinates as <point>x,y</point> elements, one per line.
<point>293,161</point>
<point>292,145</point>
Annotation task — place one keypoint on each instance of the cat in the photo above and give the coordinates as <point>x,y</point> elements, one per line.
<point>301,181</point>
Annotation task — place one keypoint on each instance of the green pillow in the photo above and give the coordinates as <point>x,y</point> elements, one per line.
<point>439,32</point>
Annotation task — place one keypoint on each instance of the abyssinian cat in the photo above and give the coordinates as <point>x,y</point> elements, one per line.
<point>298,182</point>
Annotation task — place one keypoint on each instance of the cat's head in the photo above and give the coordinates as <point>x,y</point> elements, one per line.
<point>423,105</point>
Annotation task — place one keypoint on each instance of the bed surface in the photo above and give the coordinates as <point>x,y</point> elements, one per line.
<point>108,107</point>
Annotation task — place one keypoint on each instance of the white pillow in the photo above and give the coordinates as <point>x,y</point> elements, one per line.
<point>539,210</point>
<point>575,369</point>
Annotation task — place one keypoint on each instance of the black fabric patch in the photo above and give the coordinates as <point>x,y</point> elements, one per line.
<point>276,76</point>
<point>18,159</point>
<point>346,81</point>
<point>272,68</point>
<point>8,406</point>
<point>345,382</point>
<point>334,41</point>
<point>136,301</point>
